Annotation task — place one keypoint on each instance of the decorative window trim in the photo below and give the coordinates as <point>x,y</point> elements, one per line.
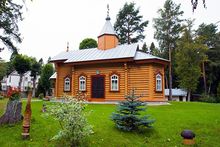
<point>65,89</point>
<point>81,80</point>
<point>118,82</point>
<point>158,78</point>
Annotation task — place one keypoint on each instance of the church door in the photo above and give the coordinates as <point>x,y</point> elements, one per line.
<point>98,86</point>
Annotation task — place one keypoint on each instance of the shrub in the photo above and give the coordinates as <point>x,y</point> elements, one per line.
<point>1,97</point>
<point>41,96</point>
<point>127,117</point>
<point>218,93</point>
<point>13,93</point>
<point>72,119</point>
<point>207,98</point>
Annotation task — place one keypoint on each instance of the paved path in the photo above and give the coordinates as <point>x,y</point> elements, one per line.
<point>148,103</point>
<point>32,100</point>
<point>114,102</point>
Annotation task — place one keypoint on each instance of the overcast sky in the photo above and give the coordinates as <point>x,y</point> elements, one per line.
<point>50,24</point>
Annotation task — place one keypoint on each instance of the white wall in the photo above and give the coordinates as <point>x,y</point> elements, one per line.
<point>13,81</point>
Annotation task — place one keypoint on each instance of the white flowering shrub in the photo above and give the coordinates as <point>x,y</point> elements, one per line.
<point>72,119</point>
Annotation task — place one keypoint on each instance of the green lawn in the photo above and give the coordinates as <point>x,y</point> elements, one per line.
<point>202,118</point>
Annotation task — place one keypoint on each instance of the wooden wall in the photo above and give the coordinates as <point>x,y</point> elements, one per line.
<point>105,70</point>
<point>141,77</point>
<point>107,42</point>
<point>62,72</point>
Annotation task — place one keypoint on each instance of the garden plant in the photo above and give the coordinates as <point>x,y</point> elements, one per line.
<point>72,119</point>
<point>127,117</point>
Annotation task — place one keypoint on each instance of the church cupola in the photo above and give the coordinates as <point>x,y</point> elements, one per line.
<point>107,39</point>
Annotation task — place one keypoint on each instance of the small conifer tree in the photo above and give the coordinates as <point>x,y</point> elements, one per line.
<point>127,116</point>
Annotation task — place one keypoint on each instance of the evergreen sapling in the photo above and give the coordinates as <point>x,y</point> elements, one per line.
<point>127,116</point>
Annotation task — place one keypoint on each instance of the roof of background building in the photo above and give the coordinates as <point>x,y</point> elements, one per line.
<point>176,92</point>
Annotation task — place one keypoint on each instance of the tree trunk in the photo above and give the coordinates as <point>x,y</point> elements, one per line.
<point>128,34</point>
<point>204,76</point>
<point>129,38</point>
<point>47,93</point>
<point>210,84</point>
<point>34,87</point>
<point>189,96</point>
<point>170,75</point>
<point>166,80</point>
<point>13,113</point>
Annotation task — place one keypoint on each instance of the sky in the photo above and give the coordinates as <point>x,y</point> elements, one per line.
<point>49,24</point>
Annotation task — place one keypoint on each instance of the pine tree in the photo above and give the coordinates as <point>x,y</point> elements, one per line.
<point>46,73</point>
<point>10,15</point>
<point>194,4</point>
<point>168,26</point>
<point>210,68</point>
<point>144,47</point>
<point>153,50</point>
<point>189,56</point>
<point>129,25</point>
<point>127,117</point>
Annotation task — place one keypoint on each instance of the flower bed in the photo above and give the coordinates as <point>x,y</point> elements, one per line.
<point>13,93</point>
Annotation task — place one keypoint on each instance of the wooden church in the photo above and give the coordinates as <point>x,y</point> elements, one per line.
<point>110,71</point>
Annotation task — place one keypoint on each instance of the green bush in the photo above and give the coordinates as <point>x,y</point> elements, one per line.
<point>1,97</point>
<point>218,93</point>
<point>207,98</point>
<point>41,96</point>
<point>72,119</point>
<point>217,99</point>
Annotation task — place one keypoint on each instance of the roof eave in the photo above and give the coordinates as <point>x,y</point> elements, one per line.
<point>164,62</point>
<point>108,34</point>
<point>57,61</point>
<point>101,61</point>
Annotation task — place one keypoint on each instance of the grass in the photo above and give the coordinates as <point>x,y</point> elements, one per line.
<point>202,118</point>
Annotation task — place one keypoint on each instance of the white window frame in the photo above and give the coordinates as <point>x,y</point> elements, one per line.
<point>159,82</point>
<point>82,83</point>
<point>114,79</point>
<point>67,84</point>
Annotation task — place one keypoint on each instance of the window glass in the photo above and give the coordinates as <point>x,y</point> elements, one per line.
<point>67,84</point>
<point>114,82</point>
<point>158,82</point>
<point>82,83</point>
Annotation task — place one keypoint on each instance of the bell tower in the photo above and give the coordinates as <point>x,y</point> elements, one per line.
<point>107,39</point>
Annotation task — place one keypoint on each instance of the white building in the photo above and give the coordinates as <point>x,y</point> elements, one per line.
<point>177,94</point>
<point>12,80</point>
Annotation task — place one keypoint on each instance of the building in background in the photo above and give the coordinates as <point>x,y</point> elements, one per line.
<point>12,80</point>
<point>177,94</point>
